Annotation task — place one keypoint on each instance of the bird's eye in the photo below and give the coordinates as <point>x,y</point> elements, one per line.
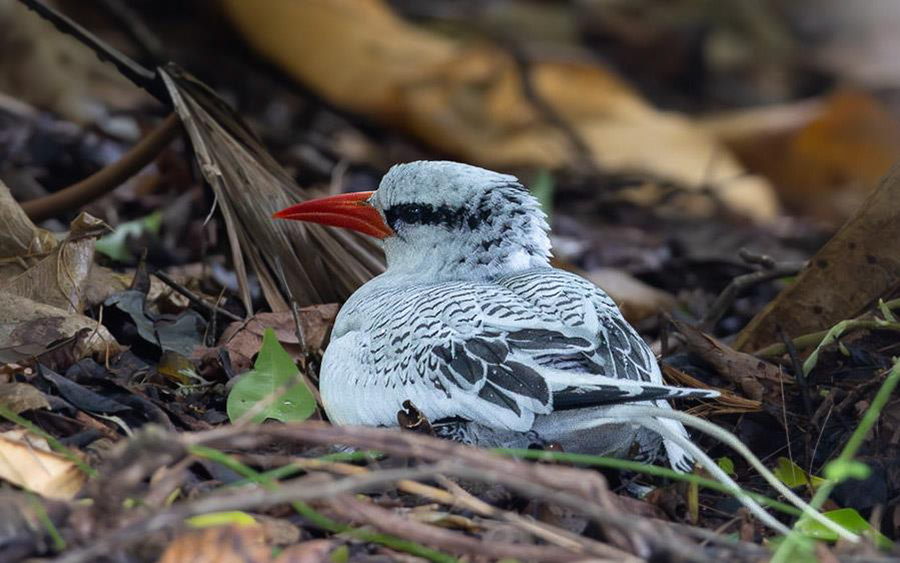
<point>412,213</point>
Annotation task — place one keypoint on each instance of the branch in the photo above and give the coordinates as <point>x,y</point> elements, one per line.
<point>770,271</point>
<point>108,178</point>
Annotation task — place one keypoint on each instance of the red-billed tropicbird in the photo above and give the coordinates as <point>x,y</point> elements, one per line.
<point>472,324</point>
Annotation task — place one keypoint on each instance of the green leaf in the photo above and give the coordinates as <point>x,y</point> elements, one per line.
<point>115,244</point>
<point>791,475</point>
<point>726,465</point>
<point>226,518</point>
<point>274,369</point>
<point>846,517</point>
<point>804,552</point>
<point>839,470</point>
<point>341,554</point>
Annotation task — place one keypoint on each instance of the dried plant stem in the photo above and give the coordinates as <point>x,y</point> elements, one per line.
<point>107,179</point>
<point>786,549</point>
<point>456,496</point>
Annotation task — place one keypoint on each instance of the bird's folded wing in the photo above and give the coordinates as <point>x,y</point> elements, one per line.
<point>500,355</point>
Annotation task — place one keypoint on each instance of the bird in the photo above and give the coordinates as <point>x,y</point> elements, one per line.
<point>472,325</point>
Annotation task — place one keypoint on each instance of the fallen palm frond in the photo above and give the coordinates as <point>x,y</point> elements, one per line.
<point>319,265</point>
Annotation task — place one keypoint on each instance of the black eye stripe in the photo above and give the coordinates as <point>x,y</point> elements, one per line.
<point>473,215</point>
<point>424,214</point>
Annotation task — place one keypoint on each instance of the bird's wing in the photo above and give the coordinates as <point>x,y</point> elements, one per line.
<point>616,349</point>
<point>490,353</point>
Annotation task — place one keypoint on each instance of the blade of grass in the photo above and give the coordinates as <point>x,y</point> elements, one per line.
<point>40,512</point>
<point>786,550</point>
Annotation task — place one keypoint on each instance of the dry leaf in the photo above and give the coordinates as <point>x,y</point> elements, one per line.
<point>243,339</point>
<point>726,403</point>
<point>221,544</point>
<point>313,551</point>
<point>636,299</point>
<point>468,99</point>
<point>22,397</point>
<point>19,237</point>
<point>60,278</point>
<point>29,329</point>
<point>278,531</point>
<point>824,159</point>
<point>46,473</point>
<point>103,282</point>
<point>847,276</point>
<point>750,373</point>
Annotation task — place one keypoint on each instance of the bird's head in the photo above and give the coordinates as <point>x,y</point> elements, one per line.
<point>447,215</point>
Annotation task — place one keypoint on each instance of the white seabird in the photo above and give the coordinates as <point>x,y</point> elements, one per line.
<point>472,324</point>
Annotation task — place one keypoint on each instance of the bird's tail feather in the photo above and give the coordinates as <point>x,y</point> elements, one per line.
<point>651,417</point>
<point>576,391</point>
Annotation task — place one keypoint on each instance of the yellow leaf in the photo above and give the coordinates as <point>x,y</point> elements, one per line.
<point>23,463</point>
<point>469,100</point>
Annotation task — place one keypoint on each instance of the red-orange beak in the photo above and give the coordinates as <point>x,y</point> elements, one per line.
<point>351,211</point>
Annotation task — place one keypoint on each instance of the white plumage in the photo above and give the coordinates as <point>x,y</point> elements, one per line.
<point>493,345</point>
<point>472,325</point>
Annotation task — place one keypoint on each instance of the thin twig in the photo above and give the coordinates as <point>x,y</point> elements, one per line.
<point>797,367</point>
<point>386,521</point>
<point>309,488</point>
<point>210,308</point>
<point>582,491</point>
<point>739,284</point>
<point>107,179</point>
<point>455,496</point>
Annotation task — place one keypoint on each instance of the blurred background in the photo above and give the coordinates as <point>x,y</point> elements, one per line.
<point>662,136</point>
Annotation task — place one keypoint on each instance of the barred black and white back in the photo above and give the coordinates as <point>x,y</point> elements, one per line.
<point>472,324</point>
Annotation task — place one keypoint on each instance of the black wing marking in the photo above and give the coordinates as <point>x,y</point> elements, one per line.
<point>599,395</point>
<point>480,365</point>
<point>536,340</point>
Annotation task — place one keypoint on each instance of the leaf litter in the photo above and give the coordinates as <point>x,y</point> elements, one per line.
<point>108,368</point>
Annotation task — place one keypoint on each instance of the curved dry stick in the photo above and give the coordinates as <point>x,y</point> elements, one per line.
<point>107,179</point>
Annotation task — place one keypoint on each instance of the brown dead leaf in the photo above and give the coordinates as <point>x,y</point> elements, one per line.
<point>469,99</point>
<point>22,397</point>
<point>24,463</point>
<point>825,165</point>
<point>243,339</point>
<point>60,278</point>
<point>103,282</point>
<point>726,403</point>
<point>847,276</point>
<point>19,237</point>
<point>750,373</point>
<point>635,299</point>
<point>277,532</point>
<point>29,329</point>
<point>221,544</point>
